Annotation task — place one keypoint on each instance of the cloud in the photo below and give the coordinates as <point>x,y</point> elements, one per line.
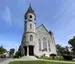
<point>6,15</point>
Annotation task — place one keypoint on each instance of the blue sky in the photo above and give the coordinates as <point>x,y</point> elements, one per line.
<point>57,16</point>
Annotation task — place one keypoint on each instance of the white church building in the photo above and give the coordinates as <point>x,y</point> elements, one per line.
<point>36,41</point>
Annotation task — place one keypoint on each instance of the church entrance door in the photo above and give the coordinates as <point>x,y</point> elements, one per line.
<point>25,49</point>
<point>31,50</point>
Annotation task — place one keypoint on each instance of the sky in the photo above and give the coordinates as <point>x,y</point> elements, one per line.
<point>56,15</point>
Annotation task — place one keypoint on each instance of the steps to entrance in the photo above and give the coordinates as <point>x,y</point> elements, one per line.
<point>26,58</point>
<point>29,57</point>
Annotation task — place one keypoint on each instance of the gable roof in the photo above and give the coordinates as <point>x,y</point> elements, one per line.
<point>43,26</point>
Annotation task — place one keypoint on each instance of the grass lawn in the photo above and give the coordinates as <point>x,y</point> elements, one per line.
<point>56,58</point>
<point>35,62</point>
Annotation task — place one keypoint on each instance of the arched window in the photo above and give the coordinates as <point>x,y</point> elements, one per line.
<point>30,26</point>
<point>44,44</point>
<point>39,41</point>
<point>31,38</point>
<point>49,46</point>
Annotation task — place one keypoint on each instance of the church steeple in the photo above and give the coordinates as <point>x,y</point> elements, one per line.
<point>30,10</point>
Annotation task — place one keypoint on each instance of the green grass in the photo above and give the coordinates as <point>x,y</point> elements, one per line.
<point>50,58</point>
<point>56,58</point>
<point>35,62</point>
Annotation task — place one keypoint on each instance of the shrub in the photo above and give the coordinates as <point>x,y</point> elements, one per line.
<point>15,56</point>
<point>67,57</point>
<point>53,55</point>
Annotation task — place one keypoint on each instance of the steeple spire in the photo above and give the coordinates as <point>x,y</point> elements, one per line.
<point>30,4</point>
<point>30,10</point>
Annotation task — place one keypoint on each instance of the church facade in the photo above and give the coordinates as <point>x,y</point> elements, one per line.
<point>36,41</point>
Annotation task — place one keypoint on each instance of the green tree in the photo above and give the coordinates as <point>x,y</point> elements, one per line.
<point>18,53</point>
<point>19,50</point>
<point>60,49</point>
<point>66,48</point>
<point>2,50</point>
<point>12,50</point>
<point>72,43</point>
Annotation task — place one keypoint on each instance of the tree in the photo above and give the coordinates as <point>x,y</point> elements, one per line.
<point>18,53</point>
<point>72,43</point>
<point>60,49</point>
<point>2,50</point>
<point>12,50</point>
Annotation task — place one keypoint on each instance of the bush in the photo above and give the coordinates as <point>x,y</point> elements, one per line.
<point>67,57</point>
<point>53,55</point>
<point>15,56</point>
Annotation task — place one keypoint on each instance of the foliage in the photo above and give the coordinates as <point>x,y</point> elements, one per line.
<point>50,58</point>
<point>19,51</point>
<point>61,50</point>
<point>16,55</point>
<point>67,57</point>
<point>53,55</point>
<point>12,50</point>
<point>72,43</point>
<point>2,50</point>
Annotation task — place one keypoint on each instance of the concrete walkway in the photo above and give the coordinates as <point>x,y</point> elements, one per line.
<point>6,61</point>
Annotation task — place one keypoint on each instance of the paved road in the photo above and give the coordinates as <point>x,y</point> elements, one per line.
<point>6,61</point>
<point>3,59</point>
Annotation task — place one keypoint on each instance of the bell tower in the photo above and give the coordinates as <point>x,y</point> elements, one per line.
<point>29,20</point>
<point>28,40</point>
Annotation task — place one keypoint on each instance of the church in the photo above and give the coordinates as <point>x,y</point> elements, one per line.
<point>36,41</point>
